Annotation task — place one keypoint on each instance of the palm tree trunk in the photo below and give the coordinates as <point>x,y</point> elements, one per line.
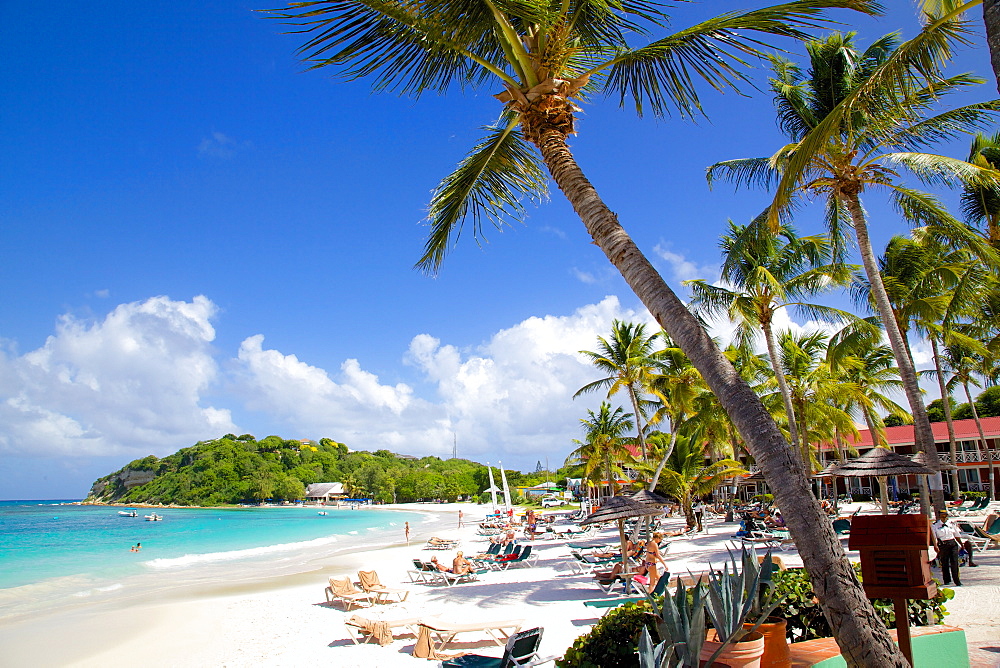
<point>863,639</point>
<point>883,481</point>
<point>982,434</point>
<point>786,394</point>
<point>946,406</point>
<point>991,17</point>
<point>663,460</point>
<point>638,422</point>
<point>923,435</point>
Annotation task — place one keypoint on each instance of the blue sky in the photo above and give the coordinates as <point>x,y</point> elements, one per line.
<point>200,237</point>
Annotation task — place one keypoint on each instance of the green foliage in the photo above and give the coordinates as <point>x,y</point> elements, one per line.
<point>896,421</point>
<point>805,617</point>
<point>613,640</point>
<point>241,469</point>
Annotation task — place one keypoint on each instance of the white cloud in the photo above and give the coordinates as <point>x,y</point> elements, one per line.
<point>583,276</point>
<point>130,384</point>
<point>221,146</point>
<point>683,269</point>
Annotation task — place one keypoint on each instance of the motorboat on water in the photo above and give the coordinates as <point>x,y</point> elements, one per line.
<point>128,513</point>
<point>153,518</point>
<point>322,512</point>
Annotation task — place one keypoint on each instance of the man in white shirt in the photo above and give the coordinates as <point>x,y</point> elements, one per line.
<point>946,540</point>
<point>699,514</point>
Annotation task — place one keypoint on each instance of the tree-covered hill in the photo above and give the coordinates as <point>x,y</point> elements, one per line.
<point>239,469</point>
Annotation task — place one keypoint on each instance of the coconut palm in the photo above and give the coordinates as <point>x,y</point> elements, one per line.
<point>768,272</point>
<point>981,203</point>
<point>627,358</point>
<point>688,476</point>
<point>934,9</point>
<point>604,448</point>
<point>966,368</point>
<point>546,56</point>
<point>856,117</point>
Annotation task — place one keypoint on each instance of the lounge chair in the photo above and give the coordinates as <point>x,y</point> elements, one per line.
<point>441,544</point>
<point>428,573</point>
<point>969,533</point>
<point>609,602</point>
<point>371,584</point>
<point>842,527</point>
<point>524,558</point>
<point>521,650</point>
<point>586,564</point>
<point>994,539</point>
<point>442,633</point>
<point>362,630</point>
<point>343,590</point>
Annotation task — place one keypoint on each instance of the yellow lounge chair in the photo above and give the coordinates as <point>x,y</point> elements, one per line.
<point>343,590</point>
<point>370,584</point>
<point>442,633</point>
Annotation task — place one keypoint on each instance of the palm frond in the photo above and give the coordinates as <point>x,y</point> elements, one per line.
<point>488,184</point>
<point>744,171</point>
<point>663,74</point>
<point>947,125</point>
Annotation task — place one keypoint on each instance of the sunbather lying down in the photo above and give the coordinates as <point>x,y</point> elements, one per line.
<point>434,540</point>
<point>459,566</point>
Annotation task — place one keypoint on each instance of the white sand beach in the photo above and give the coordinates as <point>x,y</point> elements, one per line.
<point>285,621</point>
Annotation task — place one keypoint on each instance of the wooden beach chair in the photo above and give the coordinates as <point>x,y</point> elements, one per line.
<point>371,584</point>
<point>442,632</point>
<point>343,590</point>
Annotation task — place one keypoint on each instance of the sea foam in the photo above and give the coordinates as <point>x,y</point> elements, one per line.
<point>209,557</point>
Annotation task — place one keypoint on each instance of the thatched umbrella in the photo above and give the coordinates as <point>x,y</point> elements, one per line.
<point>652,498</point>
<point>828,472</point>
<point>921,459</point>
<point>881,463</point>
<point>620,508</point>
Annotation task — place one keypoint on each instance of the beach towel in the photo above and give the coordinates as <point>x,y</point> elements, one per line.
<point>343,587</point>
<point>373,627</point>
<point>370,581</point>
<point>424,649</point>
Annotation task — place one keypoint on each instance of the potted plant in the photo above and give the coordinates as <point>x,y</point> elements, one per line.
<point>737,606</point>
<point>680,622</point>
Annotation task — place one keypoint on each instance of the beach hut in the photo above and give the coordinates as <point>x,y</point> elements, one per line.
<point>325,492</point>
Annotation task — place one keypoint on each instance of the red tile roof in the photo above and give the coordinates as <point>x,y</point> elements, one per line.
<point>964,430</point>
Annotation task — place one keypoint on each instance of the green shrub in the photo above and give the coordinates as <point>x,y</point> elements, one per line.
<point>805,617</point>
<point>613,640</point>
<point>968,496</point>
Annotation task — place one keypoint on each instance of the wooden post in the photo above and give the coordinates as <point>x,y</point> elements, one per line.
<point>903,628</point>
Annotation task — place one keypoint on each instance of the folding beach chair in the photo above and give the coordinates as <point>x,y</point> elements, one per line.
<point>343,590</point>
<point>371,584</point>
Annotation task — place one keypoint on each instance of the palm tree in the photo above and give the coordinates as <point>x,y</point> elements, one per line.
<point>855,117</point>
<point>675,383</point>
<point>966,367</point>
<point>934,9</point>
<point>687,476</point>
<point>546,55</point>
<point>980,203</point>
<point>769,272</point>
<point>627,359</point>
<point>603,449</point>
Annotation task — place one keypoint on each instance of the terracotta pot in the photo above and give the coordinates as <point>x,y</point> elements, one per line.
<point>743,654</point>
<point>776,654</point>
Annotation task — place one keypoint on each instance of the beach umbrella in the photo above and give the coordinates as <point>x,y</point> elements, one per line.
<point>881,463</point>
<point>619,509</point>
<point>828,472</point>
<point>646,496</point>
<point>921,459</point>
<point>493,487</point>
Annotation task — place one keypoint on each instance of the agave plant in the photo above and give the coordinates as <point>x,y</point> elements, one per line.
<point>744,595</point>
<point>681,624</point>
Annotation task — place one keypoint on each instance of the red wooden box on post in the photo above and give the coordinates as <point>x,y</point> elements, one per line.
<point>894,563</point>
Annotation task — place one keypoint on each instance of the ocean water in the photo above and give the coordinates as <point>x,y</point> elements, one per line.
<point>57,547</point>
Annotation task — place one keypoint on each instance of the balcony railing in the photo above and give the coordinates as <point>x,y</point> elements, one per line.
<point>971,457</point>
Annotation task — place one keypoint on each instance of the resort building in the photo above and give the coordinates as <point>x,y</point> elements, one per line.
<point>325,492</point>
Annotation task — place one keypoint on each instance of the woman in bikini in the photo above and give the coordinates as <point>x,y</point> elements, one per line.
<point>652,557</point>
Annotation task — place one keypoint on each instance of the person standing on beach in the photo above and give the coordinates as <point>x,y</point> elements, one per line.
<point>460,525</point>
<point>946,536</point>
<point>407,530</point>
<point>699,514</point>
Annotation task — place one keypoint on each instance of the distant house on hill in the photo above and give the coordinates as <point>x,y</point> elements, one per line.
<point>325,492</point>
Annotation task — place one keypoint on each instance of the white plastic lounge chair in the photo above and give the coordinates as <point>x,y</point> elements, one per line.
<point>371,585</point>
<point>362,630</point>
<point>444,632</point>
<point>343,590</point>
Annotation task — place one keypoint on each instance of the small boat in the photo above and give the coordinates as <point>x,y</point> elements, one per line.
<point>153,518</point>
<point>322,512</point>
<point>131,513</point>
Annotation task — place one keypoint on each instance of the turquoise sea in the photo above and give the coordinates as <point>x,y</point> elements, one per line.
<point>59,547</point>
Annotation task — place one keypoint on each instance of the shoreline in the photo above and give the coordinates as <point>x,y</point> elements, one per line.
<point>284,620</point>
